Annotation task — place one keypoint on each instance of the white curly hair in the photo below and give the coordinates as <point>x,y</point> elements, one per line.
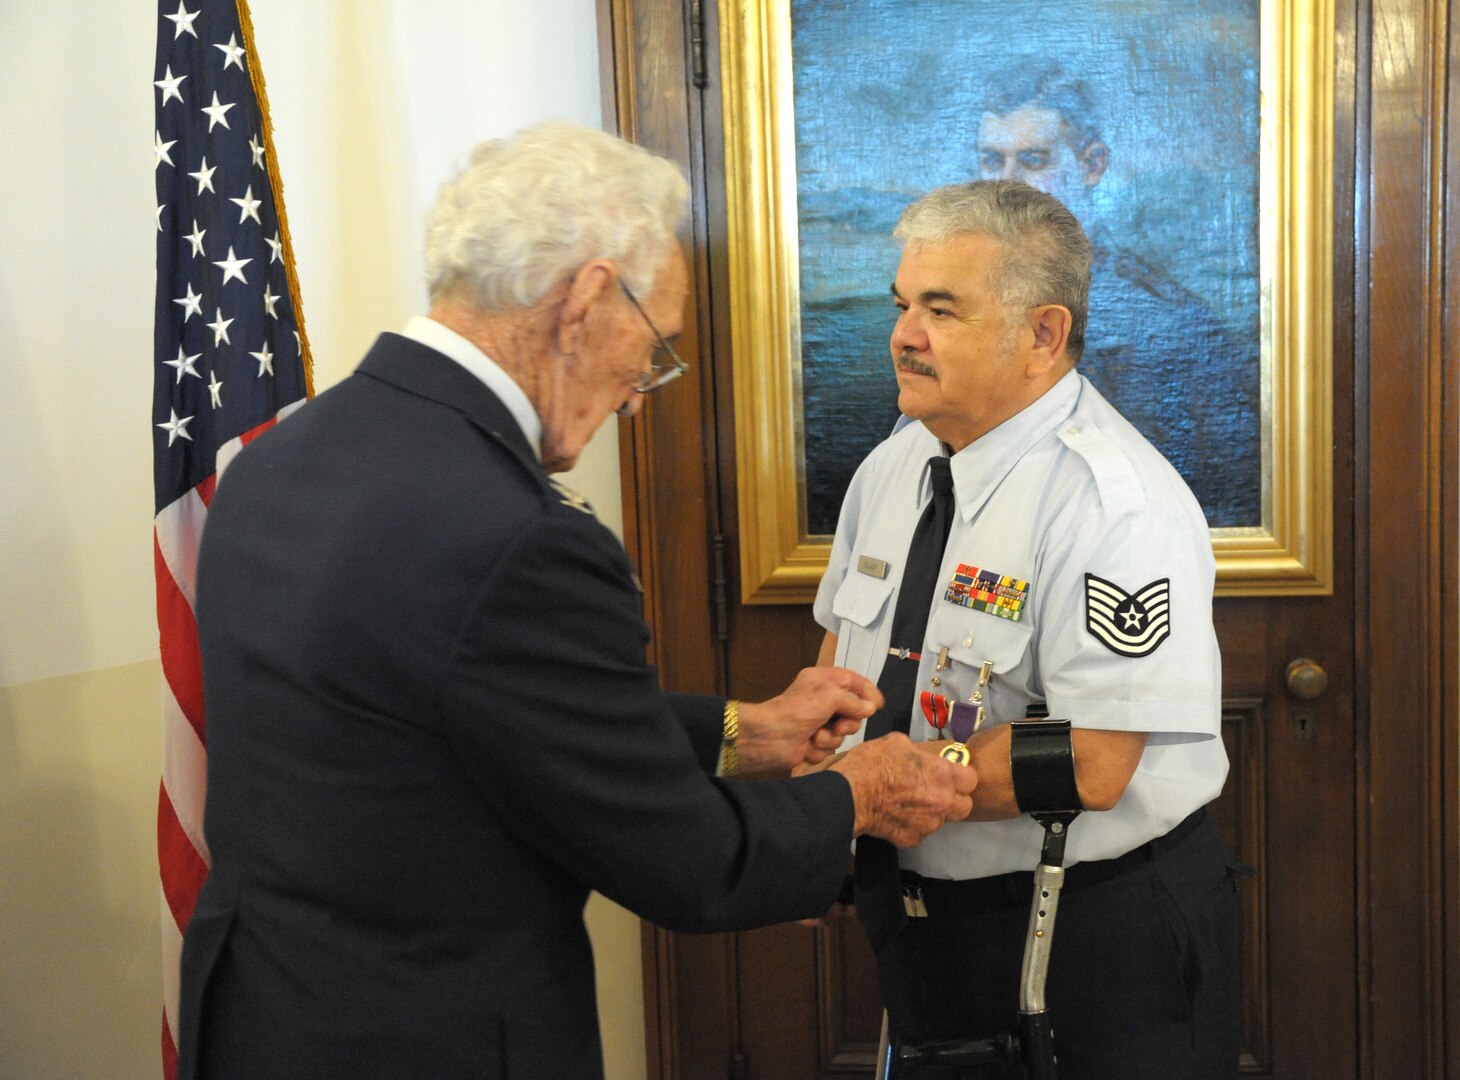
<point>528,210</point>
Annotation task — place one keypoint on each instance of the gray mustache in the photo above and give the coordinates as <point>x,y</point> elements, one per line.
<point>917,367</point>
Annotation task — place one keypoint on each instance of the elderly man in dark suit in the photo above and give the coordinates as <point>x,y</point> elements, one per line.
<point>431,727</point>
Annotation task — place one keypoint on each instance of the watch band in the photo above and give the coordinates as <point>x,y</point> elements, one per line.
<point>729,756</point>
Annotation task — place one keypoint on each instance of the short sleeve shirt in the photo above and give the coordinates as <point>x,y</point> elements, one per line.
<point>1079,568</point>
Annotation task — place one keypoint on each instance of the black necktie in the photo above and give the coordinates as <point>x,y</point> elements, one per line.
<point>878,890</point>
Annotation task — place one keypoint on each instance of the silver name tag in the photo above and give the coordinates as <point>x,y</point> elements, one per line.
<point>871,567</point>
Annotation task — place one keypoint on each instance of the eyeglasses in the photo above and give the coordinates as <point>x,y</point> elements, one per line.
<point>666,365</point>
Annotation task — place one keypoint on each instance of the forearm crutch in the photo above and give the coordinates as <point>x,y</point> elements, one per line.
<point>1041,760</point>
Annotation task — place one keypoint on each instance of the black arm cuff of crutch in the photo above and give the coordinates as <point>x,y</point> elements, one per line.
<point>1042,761</point>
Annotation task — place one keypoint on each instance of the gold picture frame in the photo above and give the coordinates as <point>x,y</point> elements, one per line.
<point>1290,553</point>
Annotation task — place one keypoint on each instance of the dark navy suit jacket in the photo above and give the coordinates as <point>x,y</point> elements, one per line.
<point>431,732</point>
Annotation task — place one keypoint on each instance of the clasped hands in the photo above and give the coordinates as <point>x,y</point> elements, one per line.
<point>902,793</point>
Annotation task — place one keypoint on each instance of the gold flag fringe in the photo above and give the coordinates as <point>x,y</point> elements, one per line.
<point>256,76</point>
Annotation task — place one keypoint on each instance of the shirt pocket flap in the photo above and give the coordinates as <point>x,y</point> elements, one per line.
<point>973,637</point>
<point>860,599</point>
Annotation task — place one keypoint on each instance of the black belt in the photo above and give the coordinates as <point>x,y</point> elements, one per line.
<point>951,898</point>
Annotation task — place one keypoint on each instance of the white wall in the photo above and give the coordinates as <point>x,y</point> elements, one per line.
<point>372,101</point>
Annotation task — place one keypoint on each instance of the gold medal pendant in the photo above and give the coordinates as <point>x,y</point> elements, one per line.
<point>956,752</point>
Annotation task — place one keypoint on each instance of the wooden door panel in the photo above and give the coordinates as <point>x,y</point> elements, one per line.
<point>849,1008</point>
<point>1288,810</point>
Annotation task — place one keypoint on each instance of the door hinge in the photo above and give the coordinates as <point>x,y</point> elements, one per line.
<point>697,44</point>
<point>717,567</point>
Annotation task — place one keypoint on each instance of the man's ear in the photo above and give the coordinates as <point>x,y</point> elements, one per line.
<point>1051,326</point>
<point>1095,159</point>
<point>589,284</point>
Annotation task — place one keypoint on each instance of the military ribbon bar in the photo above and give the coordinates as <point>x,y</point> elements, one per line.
<point>985,590</point>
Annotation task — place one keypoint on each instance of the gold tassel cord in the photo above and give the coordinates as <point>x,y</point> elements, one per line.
<point>256,76</point>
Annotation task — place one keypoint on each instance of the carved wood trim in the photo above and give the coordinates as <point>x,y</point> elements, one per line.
<point>839,1049</point>
<point>1449,637</point>
<point>1400,578</point>
<point>1242,813</point>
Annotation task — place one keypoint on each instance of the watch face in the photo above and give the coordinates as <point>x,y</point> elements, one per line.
<point>956,753</point>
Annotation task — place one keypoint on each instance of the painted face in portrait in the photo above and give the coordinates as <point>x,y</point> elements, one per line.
<point>1032,145</point>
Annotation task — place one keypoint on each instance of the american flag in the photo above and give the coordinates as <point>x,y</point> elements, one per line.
<point>230,359</point>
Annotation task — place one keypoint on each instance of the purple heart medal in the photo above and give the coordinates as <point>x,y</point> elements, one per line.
<point>965,718</point>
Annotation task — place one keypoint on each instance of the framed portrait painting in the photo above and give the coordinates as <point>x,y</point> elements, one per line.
<point>1192,140</point>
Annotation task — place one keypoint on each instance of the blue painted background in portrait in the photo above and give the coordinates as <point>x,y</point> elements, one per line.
<point>888,100</point>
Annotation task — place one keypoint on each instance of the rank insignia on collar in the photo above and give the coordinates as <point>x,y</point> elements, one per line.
<point>1128,624</point>
<point>985,590</point>
<point>572,498</point>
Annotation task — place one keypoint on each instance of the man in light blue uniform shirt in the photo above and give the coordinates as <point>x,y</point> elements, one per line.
<point>1077,574</point>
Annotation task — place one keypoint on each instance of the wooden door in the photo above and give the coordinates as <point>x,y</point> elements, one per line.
<point>1345,804</point>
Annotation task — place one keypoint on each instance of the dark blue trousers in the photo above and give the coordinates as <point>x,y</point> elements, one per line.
<point>1143,980</point>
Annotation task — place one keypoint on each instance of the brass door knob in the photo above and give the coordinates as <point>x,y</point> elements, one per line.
<point>1306,679</point>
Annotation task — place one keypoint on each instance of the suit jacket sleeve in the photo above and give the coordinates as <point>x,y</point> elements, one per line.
<point>703,719</point>
<point>562,726</point>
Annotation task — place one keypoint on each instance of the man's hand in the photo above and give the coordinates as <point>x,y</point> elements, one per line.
<point>903,793</point>
<point>806,722</point>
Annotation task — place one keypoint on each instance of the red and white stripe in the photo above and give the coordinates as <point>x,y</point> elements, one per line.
<point>182,850</point>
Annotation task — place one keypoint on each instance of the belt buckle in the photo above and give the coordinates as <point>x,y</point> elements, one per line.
<point>912,902</point>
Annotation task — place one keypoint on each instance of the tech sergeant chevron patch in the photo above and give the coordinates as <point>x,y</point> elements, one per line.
<point>1128,624</point>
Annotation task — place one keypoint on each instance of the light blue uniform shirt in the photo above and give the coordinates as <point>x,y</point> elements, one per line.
<point>1076,513</point>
